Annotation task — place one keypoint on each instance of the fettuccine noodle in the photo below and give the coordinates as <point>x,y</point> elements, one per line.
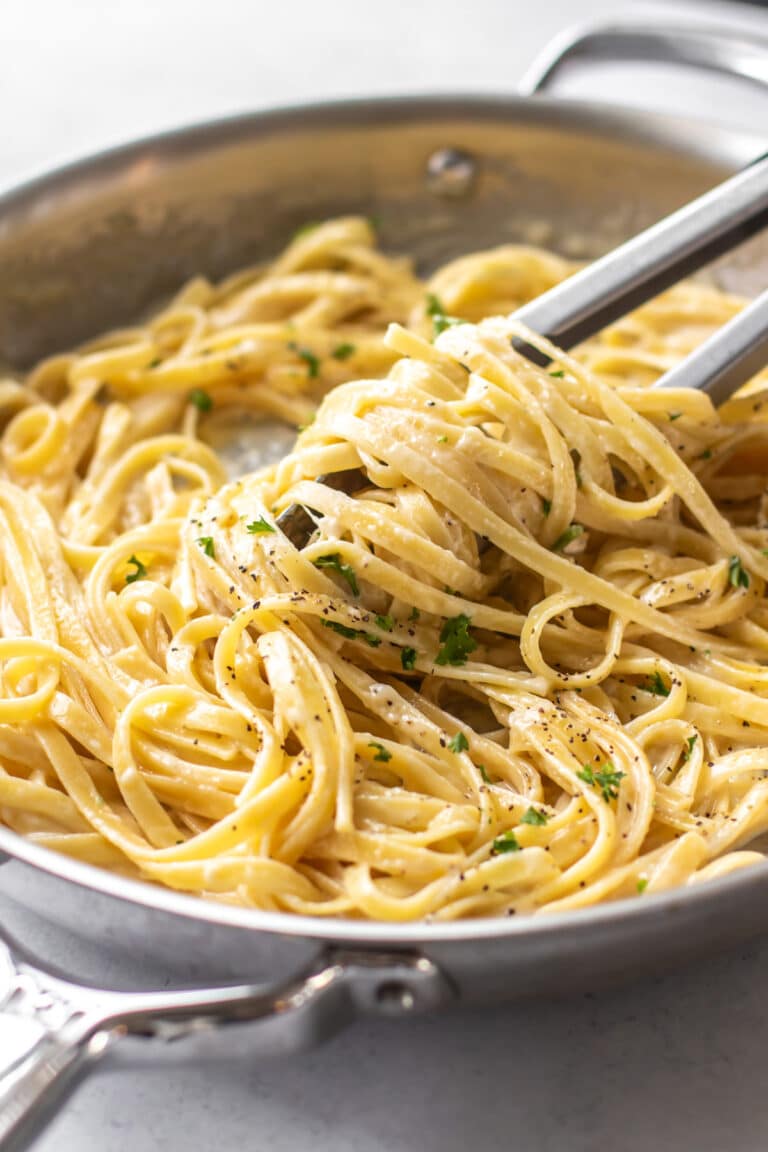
<point>516,661</point>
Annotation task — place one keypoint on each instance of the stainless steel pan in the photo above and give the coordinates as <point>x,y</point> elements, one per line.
<point>94,244</point>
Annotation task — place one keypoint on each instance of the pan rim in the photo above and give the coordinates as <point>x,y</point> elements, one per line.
<point>693,139</point>
<point>376,933</point>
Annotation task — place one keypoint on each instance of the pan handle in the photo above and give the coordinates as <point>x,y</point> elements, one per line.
<point>713,48</point>
<point>52,1031</point>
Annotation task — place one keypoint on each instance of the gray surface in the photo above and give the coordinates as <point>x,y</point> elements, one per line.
<point>674,1064</point>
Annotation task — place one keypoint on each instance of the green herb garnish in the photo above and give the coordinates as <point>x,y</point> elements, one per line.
<point>352,633</point>
<point>415,614</point>
<point>312,362</point>
<point>674,415</point>
<point>534,817</point>
<point>642,884</point>
<point>546,506</point>
<point>206,543</point>
<point>257,527</point>
<point>386,623</point>
<point>456,642</point>
<point>381,752</point>
<point>571,533</point>
<point>346,571</point>
<point>305,229</point>
<point>442,439</point>
<point>408,659</point>
<point>557,374</point>
<point>459,743</point>
<point>344,351</point>
<point>201,400</point>
<point>737,573</point>
<point>607,779</point>
<point>484,774</point>
<point>656,685</point>
<point>440,319</point>
<point>140,572</point>
<point>706,454</point>
<point>507,842</point>
<point>688,751</point>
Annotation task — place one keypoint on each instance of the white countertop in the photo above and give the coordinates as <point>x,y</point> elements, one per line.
<point>675,1064</point>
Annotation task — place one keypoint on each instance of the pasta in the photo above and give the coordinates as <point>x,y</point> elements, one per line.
<point>514,662</point>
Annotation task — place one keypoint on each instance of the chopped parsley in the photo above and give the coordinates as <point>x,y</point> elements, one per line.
<point>737,573</point>
<point>343,351</point>
<point>607,779</point>
<point>656,685</point>
<point>565,538</point>
<point>206,543</point>
<point>257,527</point>
<point>459,743</point>
<point>346,571</point>
<point>312,362</point>
<point>305,229</point>
<point>557,374</point>
<point>688,751</point>
<point>381,752</point>
<point>442,439</point>
<point>456,642</point>
<point>386,623</point>
<point>706,455</point>
<point>642,884</point>
<point>674,415</point>
<point>201,400</point>
<point>546,506</point>
<point>352,633</point>
<point>310,421</point>
<point>415,614</point>
<point>140,572</point>
<point>408,659</point>
<point>534,817</point>
<point>440,319</point>
<point>507,842</point>
<point>484,774</point>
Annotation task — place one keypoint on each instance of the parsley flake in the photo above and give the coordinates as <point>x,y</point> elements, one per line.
<point>386,623</point>
<point>571,533</point>
<point>201,400</point>
<point>688,751</point>
<point>546,506</point>
<point>381,752</point>
<point>140,572</point>
<point>456,642</point>
<point>344,351</point>
<point>440,319</point>
<point>484,774</point>
<point>507,842</point>
<point>206,543</point>
<point>257,527</point>
<point>346,571</point>
<point>312,362</point>
<point>415,614</point>
<point>408,659</point>
<point>674,415</point>
<point>459,743</point>
<point>642,884</point>
<point>656,685</point>
<point>534,817</point>
<point>352,633</point>
<point>737,573</point>
<point>558,374</point>
<point>607,779</point>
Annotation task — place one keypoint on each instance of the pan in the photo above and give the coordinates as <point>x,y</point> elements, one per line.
<point>94,244</point>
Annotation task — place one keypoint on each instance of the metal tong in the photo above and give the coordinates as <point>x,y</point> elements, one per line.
<point>625,278</point>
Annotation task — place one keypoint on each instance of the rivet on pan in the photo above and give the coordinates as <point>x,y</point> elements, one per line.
<point>451,172</point>
<point>394,997</point>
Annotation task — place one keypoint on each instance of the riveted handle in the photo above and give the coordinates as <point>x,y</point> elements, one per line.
<point>719,48</point>
<point>52,1030</point>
